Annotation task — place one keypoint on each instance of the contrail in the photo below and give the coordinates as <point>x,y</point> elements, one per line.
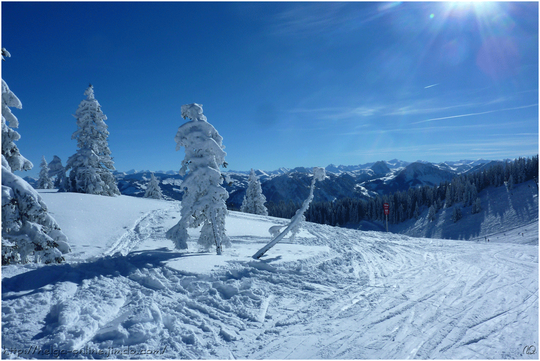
<point>471,114</point>
<point>430,86</point>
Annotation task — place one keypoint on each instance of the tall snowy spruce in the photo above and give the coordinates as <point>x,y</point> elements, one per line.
<point>29,233</point>
<point>44,181</point>
<point>90,168</point>
<point>254,199</point>
<point>203,202</point>
<point>153,190</point>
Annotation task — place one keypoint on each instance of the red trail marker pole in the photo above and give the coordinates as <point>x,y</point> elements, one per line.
<point>386,207</point>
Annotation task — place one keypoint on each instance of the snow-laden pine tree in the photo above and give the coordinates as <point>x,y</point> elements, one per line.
<point>29,233</point>
<point>254,199</point>
<point>90,168</point>
<point>153,190</point>
<point>431,213</point>
<point>510,183</point>
<point>476,206</point>
<point>44,182</point>
<point>9,136</point>
<point>56,171</point>
<point>203,202</point>
<point>456,213</point>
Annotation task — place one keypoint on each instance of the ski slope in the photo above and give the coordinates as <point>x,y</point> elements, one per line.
<point>331,294</point>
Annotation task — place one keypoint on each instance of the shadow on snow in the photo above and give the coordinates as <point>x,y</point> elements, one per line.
<point>110,266</point>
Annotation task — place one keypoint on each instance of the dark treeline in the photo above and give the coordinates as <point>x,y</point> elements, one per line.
<point>409,204</point>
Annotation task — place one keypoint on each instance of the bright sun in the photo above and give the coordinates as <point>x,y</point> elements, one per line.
<point>480,8</point>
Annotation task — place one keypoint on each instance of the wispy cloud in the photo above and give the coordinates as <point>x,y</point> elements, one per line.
<point>443,128</point>
<point>420,109</point>
<point>478,113</point>
<point>488,148</point>
<point>431,86</point>
<point>306,19</point>
<point>340,113</point>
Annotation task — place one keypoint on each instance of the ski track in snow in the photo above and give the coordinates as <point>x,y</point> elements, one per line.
<point>372,295</point>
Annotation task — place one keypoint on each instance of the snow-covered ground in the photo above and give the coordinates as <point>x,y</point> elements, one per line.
<point>331,294</point>
<point>505,213</point>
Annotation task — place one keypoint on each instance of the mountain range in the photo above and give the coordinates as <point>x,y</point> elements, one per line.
<point>292,185</point>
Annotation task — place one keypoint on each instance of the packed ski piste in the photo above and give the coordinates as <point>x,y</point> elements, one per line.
<point>124,291</point>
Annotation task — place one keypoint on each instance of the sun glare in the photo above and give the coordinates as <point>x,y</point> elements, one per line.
<point>480,8</point>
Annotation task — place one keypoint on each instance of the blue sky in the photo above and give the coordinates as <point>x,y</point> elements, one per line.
<point>285,84</point>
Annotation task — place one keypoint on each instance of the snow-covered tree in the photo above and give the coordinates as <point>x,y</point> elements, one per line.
<point>431,213</point>
<point>203,202</point>
<point>456,214</point>
<point>44,182</point>
<point>254,199</point>
<point>319,174</point>
<point>510,183</point>
<point>9,136</point>
<point>476,206</point>
<point>90,168</point>
<point>153,190</point>
<point>56,171</point>
<point>29,233</point>
<point>416,211</point>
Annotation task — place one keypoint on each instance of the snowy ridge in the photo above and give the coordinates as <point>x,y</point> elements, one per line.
<point>332,293</point>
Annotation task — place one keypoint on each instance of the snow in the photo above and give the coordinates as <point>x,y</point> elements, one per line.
<point>503,210</point>
<point>331,294</point>
<point>102,221</point>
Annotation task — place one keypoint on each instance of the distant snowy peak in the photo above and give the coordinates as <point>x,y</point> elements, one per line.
<point>261,173</point>
<point>168,172</point>
<point>396,163</point>
<point>464,165</point>
<point>424,173</point>
<point>302,170</point>
<point>281,170</point>
<point>332,168</point>
<point>400,179</point>
<point>380,167</point>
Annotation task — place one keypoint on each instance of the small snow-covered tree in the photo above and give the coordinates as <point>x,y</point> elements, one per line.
<point>476,206</point>
<point>56,171</point>
<point>44,182</point>
<point>153,190</point>
<point>203,202</point>
<point>456,214</point>
<point>416,213</point>
<point>29,233</point>
<point>254,199</point>
<point>449,199</point>
<point>510,183</point>
<point>431,213</point>
<point>90,168</point>
<point>319,174</point>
